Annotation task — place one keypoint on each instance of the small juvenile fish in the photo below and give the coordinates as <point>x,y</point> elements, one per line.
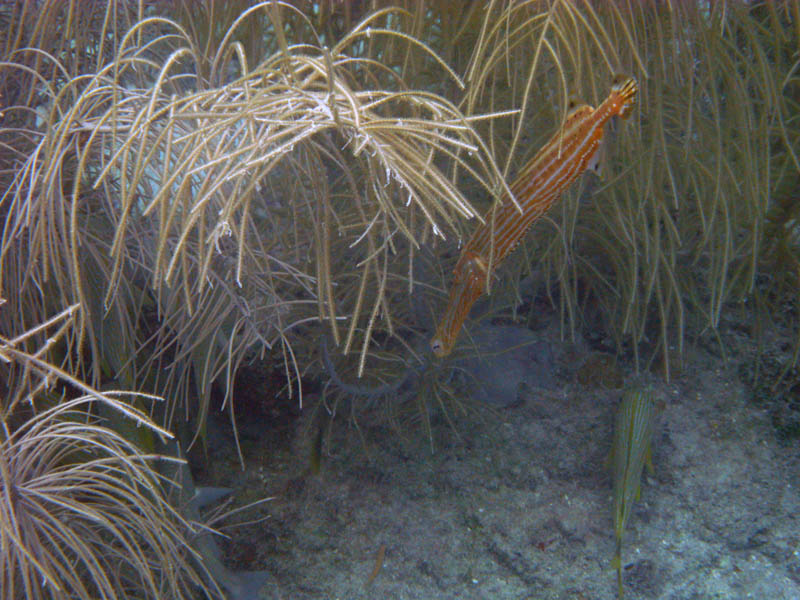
<point>631,450</point>
<point>570,152</point>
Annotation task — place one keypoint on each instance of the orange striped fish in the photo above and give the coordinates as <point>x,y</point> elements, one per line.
<point>540,183</point>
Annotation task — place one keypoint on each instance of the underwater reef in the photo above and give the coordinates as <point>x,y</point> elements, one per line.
<point>330,223</point>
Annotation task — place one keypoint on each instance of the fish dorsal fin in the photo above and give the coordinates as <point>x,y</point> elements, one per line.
<point>575,109</point>
<point>572,103</point>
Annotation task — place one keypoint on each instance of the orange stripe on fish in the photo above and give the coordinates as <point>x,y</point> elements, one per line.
<point>538,185</point>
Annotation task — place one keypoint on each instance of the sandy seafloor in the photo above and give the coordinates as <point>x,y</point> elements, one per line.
<point>516,502</point>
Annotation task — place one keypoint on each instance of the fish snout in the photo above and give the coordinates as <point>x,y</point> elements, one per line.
<point>439,346</point>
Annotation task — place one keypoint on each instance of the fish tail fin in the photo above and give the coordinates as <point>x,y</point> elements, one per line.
<point>625,88</point>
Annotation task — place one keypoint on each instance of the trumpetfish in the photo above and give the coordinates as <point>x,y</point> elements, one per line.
<point>570,152</point>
